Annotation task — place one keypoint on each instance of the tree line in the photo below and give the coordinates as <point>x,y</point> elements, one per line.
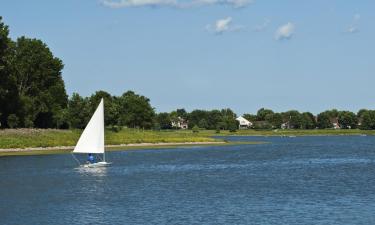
<point>32,94</point>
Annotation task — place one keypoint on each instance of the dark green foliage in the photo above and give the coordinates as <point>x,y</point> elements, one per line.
<point>13,121</point>
<point>294,118</point>
<point>262,114</point>
<point>135,111</point>
<point>164,121</point>
<point>8,94</point>
<point>250,117</point>
<point>347,120</point>
<point>78,111</point>
<point>274,119</point>
<point>111,107</point>
<point>37,76</point>
<point>195,129</point>
<point>323,120</point>
<point>308,121</point>
<point>368,120</point>
<point>31,84</point>
<point>203,124</point>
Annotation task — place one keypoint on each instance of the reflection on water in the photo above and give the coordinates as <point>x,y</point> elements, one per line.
<point>92,171</point>
<point>303,180</point>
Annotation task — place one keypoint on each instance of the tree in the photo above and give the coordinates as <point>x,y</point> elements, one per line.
<point>164,120</point>
<point>79,111</point>
<point>368,120</point>
<point>110,106</point>
<point>294,118</point>
<point>181,113</point>
<point>250,117</point>
<point>39,85</point>
<point>135,111</point>
<point>13,121</point>
<point>262,113</point>
<point>275,119</point>
<point>8,94</point>
<point>308,120</point>
<point>229,118</point>
<point>203,124</point>
<point>323,120</point>
<point>195,129</point>
<point>195,116</point>
<point>214,118</point>
<point>347,120</point>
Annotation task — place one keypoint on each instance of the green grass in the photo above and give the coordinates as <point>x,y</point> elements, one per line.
<point>26,138</point>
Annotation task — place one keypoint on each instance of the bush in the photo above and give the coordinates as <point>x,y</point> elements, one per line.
<point>195,129</point>
<point>13,121</point>
<point>116,128</point>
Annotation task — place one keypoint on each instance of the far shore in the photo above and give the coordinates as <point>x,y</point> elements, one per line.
<point>112,146</point>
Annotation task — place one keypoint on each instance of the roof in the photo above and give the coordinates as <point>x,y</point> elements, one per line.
<point>243,121</point>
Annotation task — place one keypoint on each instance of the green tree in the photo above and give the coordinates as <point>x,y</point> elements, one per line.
<point>195,116</point>
<point>164,120</point>
<point>203,124</point>
<point>308,121</point>
<point>195,129</point>
<point>262,113</point>
<point>229,118</point>
<point>347,120</point>
<point>214,117</point>
<point>368,120</point>
<point>275,119</point>
<point>323,120</point>
<point>79,111</point>
<point>39,85</point>
<point>111,108</point>
<point>135,111</point>
<point>13,121</point>
<point>250,117</point>
<point>8,95</point>
<point>294,118</point>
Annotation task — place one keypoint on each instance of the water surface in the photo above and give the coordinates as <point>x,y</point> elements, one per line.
<point>302,180</point>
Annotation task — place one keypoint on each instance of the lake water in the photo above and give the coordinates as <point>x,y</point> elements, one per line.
<point>302,180</point>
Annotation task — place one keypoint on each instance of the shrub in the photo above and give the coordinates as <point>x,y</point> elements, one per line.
<point>195,129</point>
<point>13,121</point>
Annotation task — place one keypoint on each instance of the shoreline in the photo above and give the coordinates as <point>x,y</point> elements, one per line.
<point>67,149</point>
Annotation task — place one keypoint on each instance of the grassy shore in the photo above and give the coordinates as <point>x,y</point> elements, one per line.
<point>29,138</point>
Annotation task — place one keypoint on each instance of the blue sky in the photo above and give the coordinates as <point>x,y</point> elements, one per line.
<point>243,54</point>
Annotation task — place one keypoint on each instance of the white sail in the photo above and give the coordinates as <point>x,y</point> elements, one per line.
<point>92,138</point>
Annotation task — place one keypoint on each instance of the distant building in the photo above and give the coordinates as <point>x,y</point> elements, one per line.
<point>243,123</point>
<point>285,125</point>
<point>335,123</point>
<point>180,123</point>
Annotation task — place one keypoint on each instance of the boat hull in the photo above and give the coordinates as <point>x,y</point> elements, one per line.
<point>98,164</point>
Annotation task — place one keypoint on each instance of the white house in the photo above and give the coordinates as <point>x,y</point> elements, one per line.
<point>180,123</point>
<point>244,123</point>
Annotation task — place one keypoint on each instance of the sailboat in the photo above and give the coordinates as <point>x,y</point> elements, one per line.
<point>92,138</point>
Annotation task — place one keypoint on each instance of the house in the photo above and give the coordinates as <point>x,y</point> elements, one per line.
<point>181,123</point>
<point>335,123</point>
<point>243,123</point>
<point>285,125</point>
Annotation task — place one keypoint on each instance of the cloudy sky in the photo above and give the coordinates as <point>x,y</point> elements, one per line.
<point>243,54</point>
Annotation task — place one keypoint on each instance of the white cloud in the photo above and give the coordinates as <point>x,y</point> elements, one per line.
<point>285,31</point>
<point>223,25</point>
<point>174,3</point>
<point>353,27</point>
